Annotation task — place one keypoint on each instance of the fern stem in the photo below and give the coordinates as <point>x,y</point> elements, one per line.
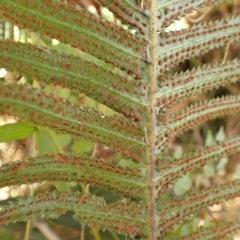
<point>95,233</point>
<point>29,222</point>
<point>152,121</point>
<point>28,230</point>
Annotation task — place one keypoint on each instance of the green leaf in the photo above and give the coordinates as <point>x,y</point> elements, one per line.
<point>220,136</point>
<point>72,72</point>
<point>208,233</point>
<point>196,160</point>
<point>124,163</point>
<point>195,202</point>
<point>69,168</point>
<point>123,72</point>
<point>237,172</point>
<point>133,12</point>
<point>182,185</point>
<point>15,131</point>
<point>174,49</point>
<point>45,142</point>
<point>209,139</point>
<point>209,170</point>
<point>197,81</point>
<point>83,27</point>
<point>62,186</point>
<point>221,165</point>
<point>88,210</point>
<point>188,118</point>
<point>81,146</point>
<point>58,114</point>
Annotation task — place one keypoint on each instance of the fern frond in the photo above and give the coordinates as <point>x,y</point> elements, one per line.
<point>177,123</point>
<point>221,231</point>
<point>41,109</point>
<point>175,47</point>
<point>88,32</point>
<point>90,210</point>
<point>171,10</point>
<point>169,170</point>
<point>126,57</point>
<point>113,89</point>
<point>128,13</point>
<point>67,168</point>
<point>171,214</point>
<point>191,83</point>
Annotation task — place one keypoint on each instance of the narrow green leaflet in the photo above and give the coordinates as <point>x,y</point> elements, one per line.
<point>175,47</point>
<point>88,32</point>
<point>168,170</point>
<point>75,73</point>
<point>196,81</point>
<point>89,210</point>
<point>195,114</point>
<point>15,131</point>
<point>128,12</point>
<point>56,113</point>
<point>196,202</point>
<point>80,169</point>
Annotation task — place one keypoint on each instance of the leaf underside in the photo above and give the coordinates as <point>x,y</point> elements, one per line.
<point>132,73</point>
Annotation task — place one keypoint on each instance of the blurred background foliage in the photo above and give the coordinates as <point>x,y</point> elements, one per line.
<point>25,140</point>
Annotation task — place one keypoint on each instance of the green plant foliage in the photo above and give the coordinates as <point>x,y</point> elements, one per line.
<point>15,131</point>
<point>123,59</point>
